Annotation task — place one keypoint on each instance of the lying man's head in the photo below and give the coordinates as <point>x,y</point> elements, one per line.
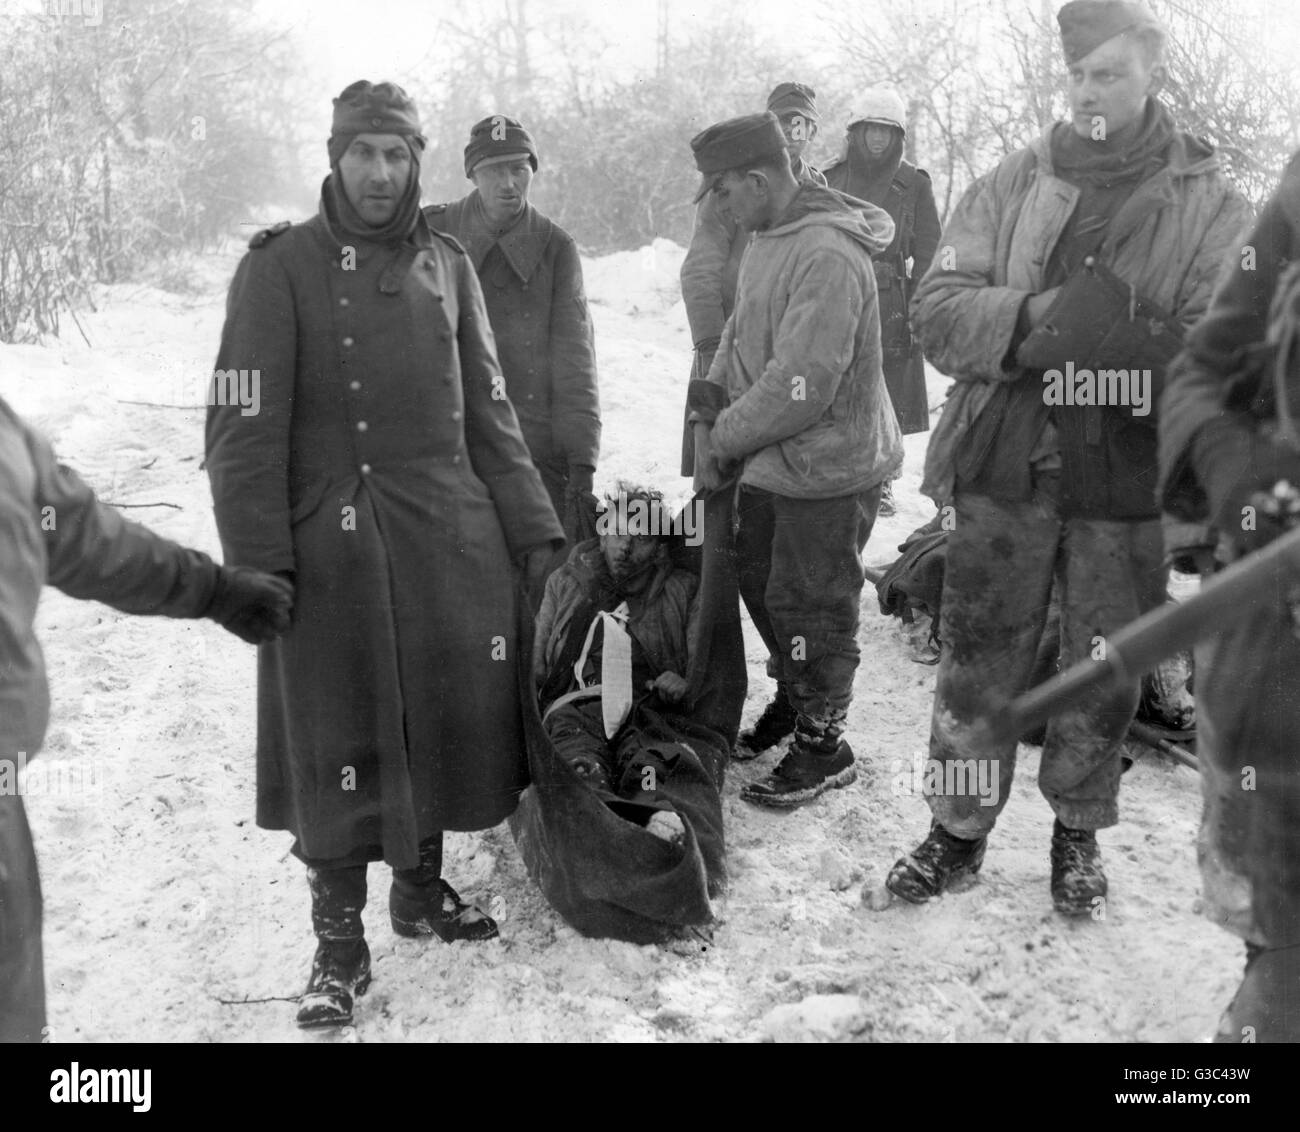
<point>633,526</point>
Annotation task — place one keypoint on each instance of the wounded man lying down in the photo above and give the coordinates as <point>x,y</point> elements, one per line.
<point>622,825</point>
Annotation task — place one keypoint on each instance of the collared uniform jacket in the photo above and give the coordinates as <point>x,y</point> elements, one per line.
<point>386,470</point>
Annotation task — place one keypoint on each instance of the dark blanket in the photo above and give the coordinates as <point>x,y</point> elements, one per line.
<point>588,850</point>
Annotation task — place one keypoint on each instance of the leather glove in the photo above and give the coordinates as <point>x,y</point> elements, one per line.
<point>255,606</point>
<point>1236,463</point>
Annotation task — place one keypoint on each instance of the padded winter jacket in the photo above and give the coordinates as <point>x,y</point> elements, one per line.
<point>800,358</point>
<point>1169,241</point>
<point>712,264</point>
<point>52,529</point>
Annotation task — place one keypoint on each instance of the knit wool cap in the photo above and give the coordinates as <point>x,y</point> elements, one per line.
<point>498,136</point>
<point>735,143</point>
<point>1087,24</point>
<point>373,108</point>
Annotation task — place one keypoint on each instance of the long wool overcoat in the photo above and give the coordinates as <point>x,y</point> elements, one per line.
<point>385,468</point>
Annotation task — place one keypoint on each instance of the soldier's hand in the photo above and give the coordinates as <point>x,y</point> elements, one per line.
<point>255,606</point>
<point>669,685</point>
<point>1039,305</point>
<point>1248,478</point>
<point>708,469</point>
<point>579,503</point>
<point>535,564</point>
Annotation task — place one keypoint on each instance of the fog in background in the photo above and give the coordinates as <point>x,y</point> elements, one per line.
<point>137,131</point>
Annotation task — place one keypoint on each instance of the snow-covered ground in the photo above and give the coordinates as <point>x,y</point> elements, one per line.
<point>169,916</point>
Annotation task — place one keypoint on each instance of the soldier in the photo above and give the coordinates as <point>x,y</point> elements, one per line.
<point>873,169</point>
<point>1045,489</point>
<point>532,284</point>
<point>795,401</point>
<point>1225,437</point>
<point>386,474</point>
<point>53,531</point>
<point>709,274</point>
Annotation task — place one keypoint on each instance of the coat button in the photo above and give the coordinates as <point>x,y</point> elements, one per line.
<point>343,301</point>
<point>456,415</point>
<point>376,121</point>
<point>456,459</point>
<point>347,341</point>
<point>362,426</point>
<point>354,385</point>
<point>365,469</point>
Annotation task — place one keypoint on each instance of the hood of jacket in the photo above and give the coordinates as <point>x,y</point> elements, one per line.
<point>866,224</point>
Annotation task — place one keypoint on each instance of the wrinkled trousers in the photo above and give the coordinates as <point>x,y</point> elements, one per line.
<point>799,569</point>
<point>22,972</point>
<point>1002,560</point>
<point>1248,747</point>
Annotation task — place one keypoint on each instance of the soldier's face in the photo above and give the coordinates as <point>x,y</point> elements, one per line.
<point>503,186</point>
<point>376,168</point>
<point>877,138</point>
<point>744,198</point>
<point>626,554</point>
<point>799,130</point>
<point>1109,87</point>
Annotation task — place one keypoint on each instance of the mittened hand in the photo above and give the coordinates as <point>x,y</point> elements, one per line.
<point>255,606</point>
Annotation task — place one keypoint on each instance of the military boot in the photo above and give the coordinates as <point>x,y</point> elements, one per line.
<point>776,722</point>
<point>1078,883</point>
<point>932,867</point>
<point>340,971</point>
<point>340,974</point>
<point>818,760</point>
<point>421,903</point>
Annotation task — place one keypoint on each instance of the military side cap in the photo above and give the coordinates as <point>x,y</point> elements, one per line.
<point>1087,24</point>
<point>734,143</point>
<point>793,97</point>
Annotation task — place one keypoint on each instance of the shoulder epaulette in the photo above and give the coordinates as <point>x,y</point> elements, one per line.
<point>267,233</point>
<point>450,240</point>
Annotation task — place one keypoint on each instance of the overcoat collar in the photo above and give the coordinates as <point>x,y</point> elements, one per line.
<point>522,245</point>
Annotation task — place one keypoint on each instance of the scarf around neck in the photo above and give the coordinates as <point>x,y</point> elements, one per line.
<point>1103,164</point>
<point>337,211</point>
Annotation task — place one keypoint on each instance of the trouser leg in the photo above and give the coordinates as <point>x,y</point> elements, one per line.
<point>425,875</point>
<point>1248,717</point>
<point>997,585</point>
<point>22,971</point>
<point>812,598</point>
<point>338,895</point>
<point>1110,573</point>
<point>577,731</point>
